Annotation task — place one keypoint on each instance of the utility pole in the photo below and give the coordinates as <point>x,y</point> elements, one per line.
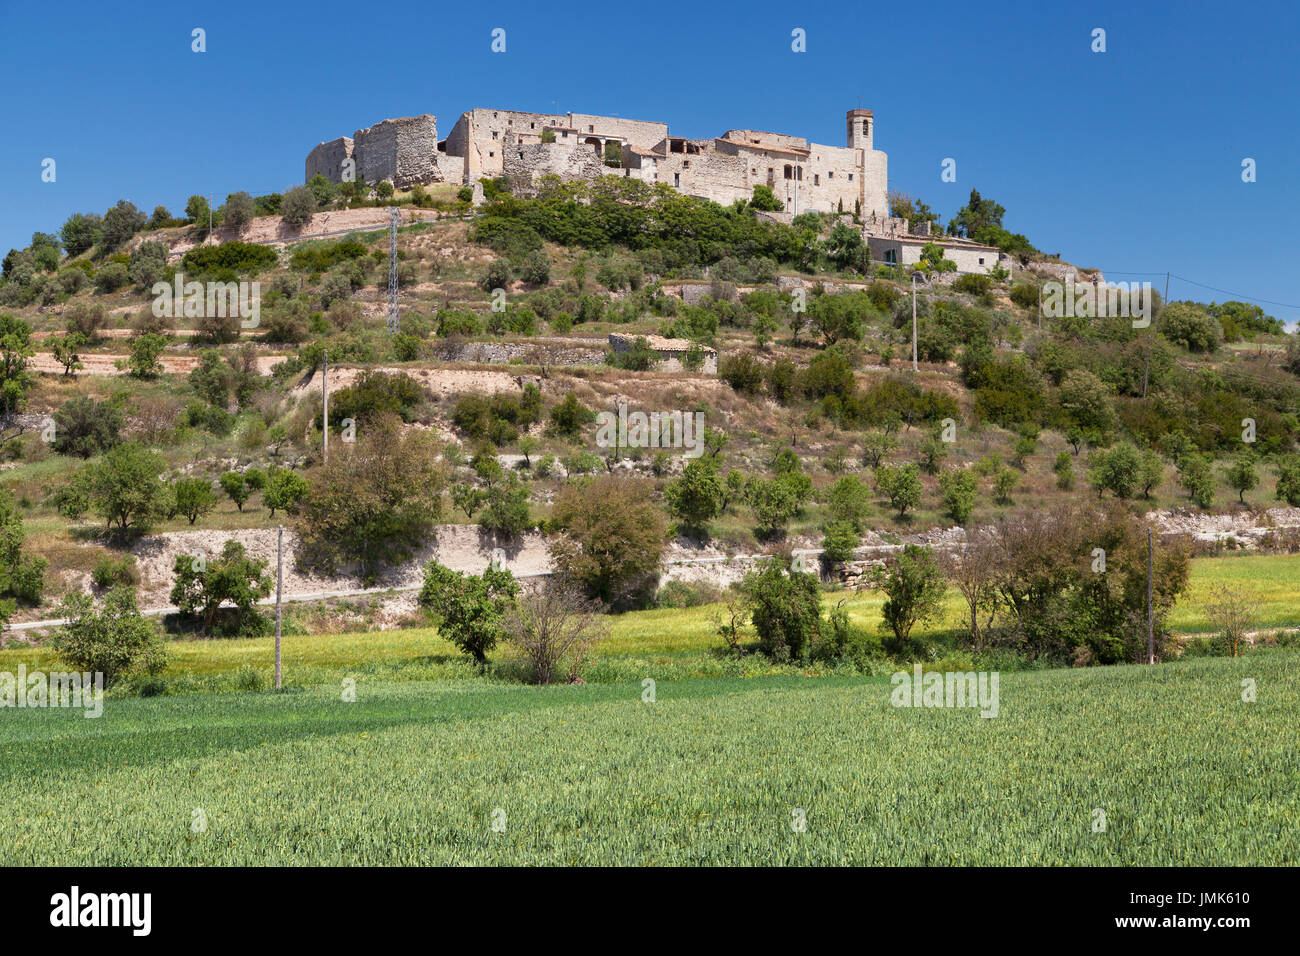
<point>1151,638</point>
<point>279,576</point>
<point>325,403</point>
<point>914,369</point>
<point>209,218</point>
<point>392,270</point>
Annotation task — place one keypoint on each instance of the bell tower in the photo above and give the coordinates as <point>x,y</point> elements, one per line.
<point>859,125</point>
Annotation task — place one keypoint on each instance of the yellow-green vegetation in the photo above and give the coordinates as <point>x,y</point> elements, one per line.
<point>711,772</point>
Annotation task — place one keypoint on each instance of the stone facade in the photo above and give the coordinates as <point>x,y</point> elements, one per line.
<point>491,143</point>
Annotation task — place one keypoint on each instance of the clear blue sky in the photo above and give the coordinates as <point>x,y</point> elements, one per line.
<point>1129,160</point>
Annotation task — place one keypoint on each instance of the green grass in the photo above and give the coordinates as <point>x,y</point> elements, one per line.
<point>710,773</point>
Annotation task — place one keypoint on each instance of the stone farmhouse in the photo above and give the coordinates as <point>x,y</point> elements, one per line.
<point>522,147</point>
<point>670,354</point>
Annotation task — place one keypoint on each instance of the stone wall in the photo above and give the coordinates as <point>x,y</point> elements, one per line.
<point>327,159</point>
<point>403,151</point>
<point>526,162</point>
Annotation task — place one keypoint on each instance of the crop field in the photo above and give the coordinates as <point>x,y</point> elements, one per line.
<point>710,772</point>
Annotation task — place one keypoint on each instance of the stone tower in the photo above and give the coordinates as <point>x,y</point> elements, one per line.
<point>858,125</point>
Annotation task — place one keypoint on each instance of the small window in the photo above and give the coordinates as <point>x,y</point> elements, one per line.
<point>591,129</point>
<point>532,126</point>
<point>686,164</point>
<point>830,175</point>
<point>850,177</point>
<point>677,179</point>
<point>494,115</point>
<point>521,154</point>
<point>494,134</point>
<point>981,260</point>
<point>817,180</point>
<point>510,122</point>
<point>490,154</point>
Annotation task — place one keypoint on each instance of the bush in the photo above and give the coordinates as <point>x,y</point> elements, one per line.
<point>377,393</point>
<point>110,572</point>
<point>1190,326</point>
<point>469,610</point>
<point>914,588</point>
<point>110,278</point>
<point>232,577</point>
<point>957,491</point>
<point>611,538</point>
<point>222,262</point>
<point>554,629</point>
<point>298,206</point>
<point>785,609</point>
<point>498,275</point>
<point>85,427</point>
<point>743,372</point>
<point>114,640</point>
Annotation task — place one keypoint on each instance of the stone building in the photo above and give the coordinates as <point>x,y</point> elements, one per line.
<point>523,146</point>
<point>669,353</point>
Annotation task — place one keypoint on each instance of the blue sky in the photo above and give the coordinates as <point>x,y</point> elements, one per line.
<point>1129,160</point>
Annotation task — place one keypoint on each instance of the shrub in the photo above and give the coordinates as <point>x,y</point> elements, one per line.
<point>228,259</point>
<point>611,538</point>
<point>743,372</point>
<point>298,206</point>
<point>1190,326</point>
<point>785,609</point>
<point>957,492</point>
<point>498,275</point>
<point>232,577</point>
<point>377,393</point>
<point>110,572</point>
<point>914,588</point>
<point>470,610</point>
<point>114,639</point>
<point>85,427</point>
<point>554,630</point>
<point>111,277</point>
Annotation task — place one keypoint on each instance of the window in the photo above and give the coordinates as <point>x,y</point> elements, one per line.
<point>591,129</point>
<point>981,260</point>
<point>510,122</point>
<point>891,255</point>
<point>850,177</point>
<point>830,175</point>
<point>491,154</point>
<point>494,134</point>
<point>789,173</point>
<point>521,154</point>
<point>817,180</point>
<point>686,164</point>
<point>532,126</point>
<point>677,179</point>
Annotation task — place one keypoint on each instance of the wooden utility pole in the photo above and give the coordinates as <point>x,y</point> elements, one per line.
<point>279,577</point>
<point>914,322</point>
<point>325,403</point>
<point>1151,633</point>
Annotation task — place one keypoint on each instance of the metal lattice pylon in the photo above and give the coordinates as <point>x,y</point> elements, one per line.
<point>393,323</point>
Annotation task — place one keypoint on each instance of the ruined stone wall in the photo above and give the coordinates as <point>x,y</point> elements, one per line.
<point>524,163</point>
<point>403,151</point>
<point>327,159</point>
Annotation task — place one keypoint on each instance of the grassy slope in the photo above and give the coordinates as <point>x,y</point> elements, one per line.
<point>710,773</point>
